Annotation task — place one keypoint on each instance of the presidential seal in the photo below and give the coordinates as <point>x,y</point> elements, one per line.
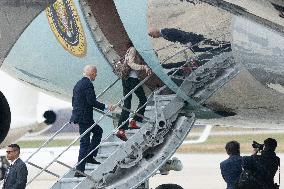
<point>65,23</point>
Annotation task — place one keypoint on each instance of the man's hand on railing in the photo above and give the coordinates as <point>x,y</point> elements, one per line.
<point>111,107</point>
<point>148,70</point>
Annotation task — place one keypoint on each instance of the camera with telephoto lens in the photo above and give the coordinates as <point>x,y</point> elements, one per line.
<point>257,145</point>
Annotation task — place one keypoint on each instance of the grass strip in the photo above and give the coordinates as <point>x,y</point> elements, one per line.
<point>216,144</point>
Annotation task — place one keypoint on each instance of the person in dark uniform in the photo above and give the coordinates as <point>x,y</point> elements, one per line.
<point>183,37</point>
<point>231,168</point>
<point>212,47</point>
<point>83,101</point>
<point>17,172</point>
<point>263,166</point>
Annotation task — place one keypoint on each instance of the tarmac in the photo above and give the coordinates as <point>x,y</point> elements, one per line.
<point>200,171</point>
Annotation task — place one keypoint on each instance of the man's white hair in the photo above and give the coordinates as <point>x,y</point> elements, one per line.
<point>89,69</point>
<point>154,32</point>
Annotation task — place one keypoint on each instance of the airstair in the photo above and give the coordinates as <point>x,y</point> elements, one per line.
<point>129,164</point>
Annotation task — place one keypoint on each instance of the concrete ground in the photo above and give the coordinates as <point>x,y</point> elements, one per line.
<point>201,171</point>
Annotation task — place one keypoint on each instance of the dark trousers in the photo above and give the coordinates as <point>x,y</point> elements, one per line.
<point>87,145</point>
<point>128,85</point>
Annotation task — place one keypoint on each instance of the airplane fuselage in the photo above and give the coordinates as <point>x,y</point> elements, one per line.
<point>49,50</point>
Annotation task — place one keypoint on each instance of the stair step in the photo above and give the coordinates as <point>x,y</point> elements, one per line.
<point>129,133</point>
<point>71,180</point>
<point>101,157</point>
<point>162,103</point>
<point>67,183</point>
<point>152,108</point>
<point>163,99</point>
<point>107,147</point>
<point>111,144</point>
<point>166,97</point>
<point>88,169</point>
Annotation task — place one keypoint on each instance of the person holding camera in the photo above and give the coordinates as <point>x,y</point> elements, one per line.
<point>231,168</point>
<point>263,166</point>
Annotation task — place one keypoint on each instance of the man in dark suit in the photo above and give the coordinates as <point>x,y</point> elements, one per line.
<point>263,166</point>
<point>205,48</point>
<point>231,168</point>
<point>16,175</point>
<point>83,101</point>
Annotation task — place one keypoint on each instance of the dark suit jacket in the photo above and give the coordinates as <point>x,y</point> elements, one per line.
<point>176,35</point>
<point>231,169</point>
<point>83,100</point>
<point>17,176</point>
<point>264,166</point>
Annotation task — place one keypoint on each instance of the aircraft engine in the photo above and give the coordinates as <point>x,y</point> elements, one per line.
<point>5,117</point>
<point>49,116</point>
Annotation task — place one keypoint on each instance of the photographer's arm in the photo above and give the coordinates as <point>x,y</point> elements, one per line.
<point>255,151</point>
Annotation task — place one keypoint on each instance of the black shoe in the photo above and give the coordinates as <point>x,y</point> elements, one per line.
<point>77,174</point>
<point>93,161</point>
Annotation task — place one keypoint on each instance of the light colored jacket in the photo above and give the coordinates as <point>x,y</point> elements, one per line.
<point>134,60</point>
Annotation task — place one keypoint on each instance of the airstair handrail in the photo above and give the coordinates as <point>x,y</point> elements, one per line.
<point>46,142</point>
<point>187,47</point>
<point>107,88</point>
<point>135,112</point>
<point>90,128</point>
<point>178,52</point>
<point>115,130</point>
<point>119,126</point>
<point>59,131</point>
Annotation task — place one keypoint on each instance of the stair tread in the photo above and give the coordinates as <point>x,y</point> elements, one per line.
<point>72,179</point>
<point>90,166</point>
<point>111,143</point>
<point>100,155</point>
<point>130,131</point>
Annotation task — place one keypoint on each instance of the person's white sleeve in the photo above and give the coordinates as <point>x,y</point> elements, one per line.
<point>131,60</point>
<point>106,107</point>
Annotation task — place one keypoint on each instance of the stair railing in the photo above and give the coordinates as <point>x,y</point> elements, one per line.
<point>111,133</point>
<point>56,133</point>
<point>119,126</point>
<point>89,129</point>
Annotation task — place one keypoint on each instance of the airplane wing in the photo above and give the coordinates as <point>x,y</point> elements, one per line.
<point>29,112</point>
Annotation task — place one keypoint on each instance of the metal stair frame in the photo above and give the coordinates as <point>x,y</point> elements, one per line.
<point>148,136</point>
<point>158,129</point>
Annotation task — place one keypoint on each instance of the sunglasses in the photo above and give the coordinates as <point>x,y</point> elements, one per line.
<point>8,152</point>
